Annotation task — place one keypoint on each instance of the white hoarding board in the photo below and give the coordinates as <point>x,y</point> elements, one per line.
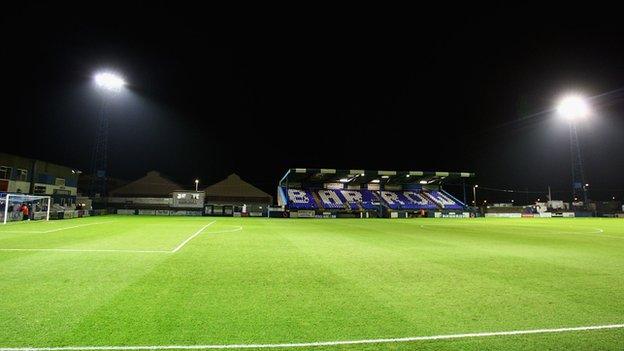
<point>188,199</point>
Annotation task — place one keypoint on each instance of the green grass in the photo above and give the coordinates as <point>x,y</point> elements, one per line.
<point>284,281</point>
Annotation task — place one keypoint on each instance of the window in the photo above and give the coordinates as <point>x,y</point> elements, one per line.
<point>22,175</point>
<point>59,181</point>
<point>5,172</point>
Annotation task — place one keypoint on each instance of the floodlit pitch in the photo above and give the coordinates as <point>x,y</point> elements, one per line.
<point>116,282</point>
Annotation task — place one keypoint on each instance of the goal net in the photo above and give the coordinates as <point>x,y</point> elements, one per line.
<point>20,207</point>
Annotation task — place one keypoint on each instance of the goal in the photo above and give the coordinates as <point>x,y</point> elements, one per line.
<point>11,207</point>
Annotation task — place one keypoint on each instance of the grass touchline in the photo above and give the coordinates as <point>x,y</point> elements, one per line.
<point>320,343</point>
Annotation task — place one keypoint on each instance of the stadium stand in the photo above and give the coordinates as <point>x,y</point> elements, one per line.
<point>362,191</point>
<point>330,199</point>
<point>444,200</point>
<point>301,199</point>
<point>352,198</point>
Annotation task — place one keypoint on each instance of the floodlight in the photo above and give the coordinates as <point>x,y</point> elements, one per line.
<point>109,81</point>
<point>423,182</point>
<point>573,107</point>
<point>344,180</point>
<point>375,181</point>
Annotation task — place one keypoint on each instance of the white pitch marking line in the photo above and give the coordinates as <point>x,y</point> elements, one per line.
<point>75,226</point>
<point>318,343</point>
<point>191,237</point>
<point>596,231</point>
<point>236,229</point>
<point>90,250</point>
<point>52,230</point>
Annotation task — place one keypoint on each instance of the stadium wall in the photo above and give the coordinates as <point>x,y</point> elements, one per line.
<point>30,176</point>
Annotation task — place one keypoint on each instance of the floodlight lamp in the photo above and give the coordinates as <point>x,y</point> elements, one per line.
<point>109,81</point>
<point>375,181</point>
<point>573,107</point>
<point>423,182</point>
<point>344,180</point>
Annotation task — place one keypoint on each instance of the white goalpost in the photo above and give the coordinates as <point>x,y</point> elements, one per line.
<point>12,207</point>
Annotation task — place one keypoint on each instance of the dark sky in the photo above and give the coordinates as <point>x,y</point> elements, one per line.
<point>459,92</point>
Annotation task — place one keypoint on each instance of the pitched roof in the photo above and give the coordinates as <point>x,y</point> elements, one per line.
<point>152,185</point>
<point>234,186</point>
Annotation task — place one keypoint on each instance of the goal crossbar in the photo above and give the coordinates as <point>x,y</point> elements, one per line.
<point>24,198</point>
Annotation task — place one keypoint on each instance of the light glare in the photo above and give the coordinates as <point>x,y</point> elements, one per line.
<point>109,81</point>
<point>573,107</point>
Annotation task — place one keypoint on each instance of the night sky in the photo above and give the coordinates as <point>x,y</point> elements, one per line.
<point>206,100</point>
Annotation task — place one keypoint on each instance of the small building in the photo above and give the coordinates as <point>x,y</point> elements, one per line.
<point>151,192</point>
<point>30,176</point>
<point>233,196</point>
<point>157,194</point>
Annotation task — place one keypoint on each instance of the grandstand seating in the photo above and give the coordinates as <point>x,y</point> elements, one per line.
<point>301,200</point>
<point>407,200</point>
<point>444,200</point>
<point>369,200</point>
<point>353,198</point>
<point>418,200</point>
<point>331,199</point>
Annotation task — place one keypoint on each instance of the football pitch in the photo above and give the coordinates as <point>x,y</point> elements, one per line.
<point>134,283</point>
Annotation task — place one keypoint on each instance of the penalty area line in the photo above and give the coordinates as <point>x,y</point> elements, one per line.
<point>318,343</point>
